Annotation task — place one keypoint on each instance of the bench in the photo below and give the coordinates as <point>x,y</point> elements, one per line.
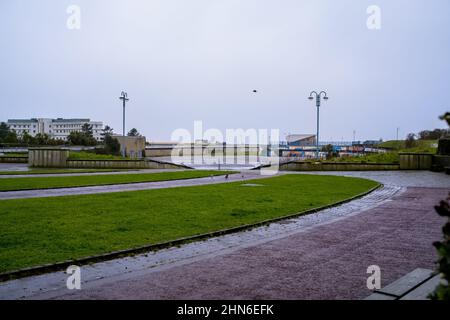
<point>416,285</point>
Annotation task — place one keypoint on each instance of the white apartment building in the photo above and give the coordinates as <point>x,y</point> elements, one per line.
<point>56,128</point>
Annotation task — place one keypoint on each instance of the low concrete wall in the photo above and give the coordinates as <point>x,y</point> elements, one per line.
<point>123,164</point>
<point>158,152</point>
<point>415,161</point>
<point>58,158</point>
<point>47,157</point>
<point>336,166</point>
<point>134,147</point>
<point>199,150</point>
<point>7,159</point>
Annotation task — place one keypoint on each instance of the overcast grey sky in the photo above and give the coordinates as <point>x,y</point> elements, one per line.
<point>186,60</point>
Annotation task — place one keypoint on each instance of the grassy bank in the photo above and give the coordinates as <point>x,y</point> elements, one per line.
<point>420,146</point>
<point>392,155</point>
<point>83,155</point>
<point>388,157</point>
<point>48,230</point>
<point>13,184</point>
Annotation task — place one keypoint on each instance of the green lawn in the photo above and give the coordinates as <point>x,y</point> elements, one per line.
<point>60,171</point>
<point>49,230</point>
<point>392,144</point>
<point>25,183</point>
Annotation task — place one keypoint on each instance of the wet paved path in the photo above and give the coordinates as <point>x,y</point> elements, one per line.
<point>40,193</point>
<point>319,256</point>
<point>14,167</point>
<point>199,250</point>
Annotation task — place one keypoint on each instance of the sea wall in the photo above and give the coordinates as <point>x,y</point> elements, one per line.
<point>8,159</point>
<point>47,157</point>
<point>123,164</point>
<point>336,166</point>
<point>59,158</point>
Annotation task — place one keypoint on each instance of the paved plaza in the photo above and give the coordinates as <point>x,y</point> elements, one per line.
<point>319,256</point>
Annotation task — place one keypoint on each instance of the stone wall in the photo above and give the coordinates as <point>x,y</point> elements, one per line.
<point>47,157</point>
<point>158,152</point>
<point>199,150</point>
<point>8,159</point>
<point>58,158</point>
<point>415,161</point>
<point>123,164</point>
<point>134,147</point>
<point>336,166</point>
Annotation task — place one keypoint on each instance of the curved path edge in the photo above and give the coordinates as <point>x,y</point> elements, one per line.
<point>188,249</point>
<point>42,269</point>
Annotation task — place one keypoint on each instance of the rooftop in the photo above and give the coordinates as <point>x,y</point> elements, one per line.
<point>297,137</point>
<point>71,120</point>
<point>58,120</point>
<point>23,120</point>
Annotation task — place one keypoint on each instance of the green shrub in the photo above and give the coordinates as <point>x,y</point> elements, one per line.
<point>444,147</point>
<point>442,292</point>
<point>388,157</point>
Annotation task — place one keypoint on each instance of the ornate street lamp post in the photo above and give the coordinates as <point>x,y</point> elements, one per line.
<point>318,97</point>
<point>124,99</point>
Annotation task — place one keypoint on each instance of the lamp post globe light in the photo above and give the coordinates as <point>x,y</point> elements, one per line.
<point>318,97</point>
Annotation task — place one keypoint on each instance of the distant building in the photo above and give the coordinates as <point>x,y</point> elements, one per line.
<point>301,140</point>
<point>55,128</point>
<point>371,142</point>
